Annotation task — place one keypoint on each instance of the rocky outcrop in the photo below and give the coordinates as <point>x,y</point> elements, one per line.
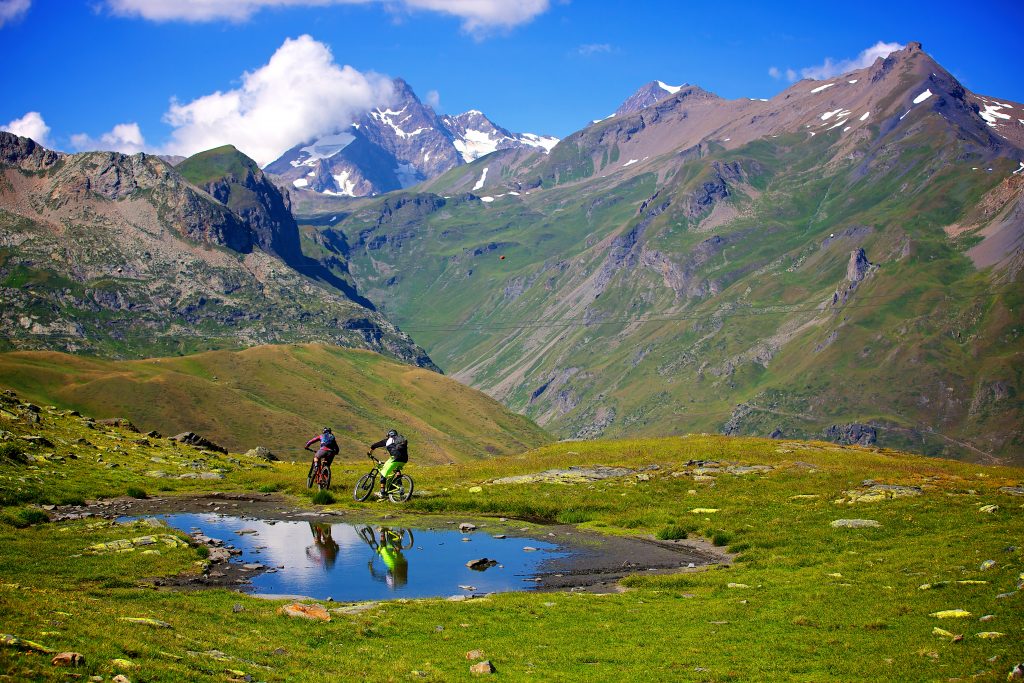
<point>852,434</point>
<point>193,439</point>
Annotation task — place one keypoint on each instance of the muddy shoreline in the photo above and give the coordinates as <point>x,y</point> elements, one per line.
<point>596,562</point>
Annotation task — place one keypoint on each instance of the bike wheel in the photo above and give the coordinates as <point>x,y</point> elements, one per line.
<point>311,477</point>
<point>401,488</point>
<point>323,480</point>
<point>364,487</point>
<point>405,539</point>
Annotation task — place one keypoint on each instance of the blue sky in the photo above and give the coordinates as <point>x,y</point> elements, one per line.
<point>542,66</point>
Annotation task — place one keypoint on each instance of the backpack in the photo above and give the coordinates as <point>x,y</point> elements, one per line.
<point>327,441</point>
<point>399,447</point>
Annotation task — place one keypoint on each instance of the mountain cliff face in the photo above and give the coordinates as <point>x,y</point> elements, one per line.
<point>842,261</point>
<point>395,147</point>
<point>122,255</point>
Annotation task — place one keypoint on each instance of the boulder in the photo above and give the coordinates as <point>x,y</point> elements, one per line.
<point>855,523</point>
<point>852,434</point>
<point>484,667</point>
<point>474,654</point>
<point>466,527</point>
<point>68,659</point>
<point>301,611</point>
<point>263,453</point>
<point>481,564</point>
<point>193,439</point>
<point>122,422</point>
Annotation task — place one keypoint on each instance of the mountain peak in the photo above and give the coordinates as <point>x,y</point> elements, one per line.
<point>646,95</point>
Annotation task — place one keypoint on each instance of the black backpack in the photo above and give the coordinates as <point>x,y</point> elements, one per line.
<point>327,440</point>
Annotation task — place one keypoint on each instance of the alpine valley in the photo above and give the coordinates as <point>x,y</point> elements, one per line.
<point>842,261</point>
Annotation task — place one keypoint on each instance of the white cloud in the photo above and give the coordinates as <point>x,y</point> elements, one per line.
<point>591,49</point>
<point>433,99</point>
<point>124,137</point>
<point>478,16</point>
<point>13,9</point>
<point>828,69</point>
<point>31,125</point>
<point>774,72</point>
<point>297,95</point>
<point>790,75</point>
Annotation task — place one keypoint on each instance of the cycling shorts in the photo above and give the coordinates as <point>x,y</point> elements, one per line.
<point>390,466</point>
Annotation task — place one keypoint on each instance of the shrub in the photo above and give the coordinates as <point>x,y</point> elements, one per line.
<point>269,488</point>
<point>671,532</point>
<point>25,517</point>
<point>573,517</point>
<point>136,492</point>
<point>10,452</point>
<point>721,538</point>
<point>323,498</point>
<point>203,551</point>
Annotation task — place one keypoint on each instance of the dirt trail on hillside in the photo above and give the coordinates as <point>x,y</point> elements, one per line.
<point>596,562</point>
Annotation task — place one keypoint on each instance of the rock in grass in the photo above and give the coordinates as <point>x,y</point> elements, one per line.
<point>146,621</point>
<point>484,667</point>
<point>855,523</point>
<point>121,678</point>
<point>8,640</point>
<point>263,453</point>
<point>474,654</point>
<point>991,635</point>
<point>68,659</point>
<point>988,508</point>
<point>123,664</point>
<point>475,489</point>
<point>704,511</point>
<point>951,614</point>
<point>301,611</point>
<point>466,527</point>
<point>987,564</point>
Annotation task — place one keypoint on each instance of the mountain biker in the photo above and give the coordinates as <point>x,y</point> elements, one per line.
<point>398,449</point>
<point>328,446</point>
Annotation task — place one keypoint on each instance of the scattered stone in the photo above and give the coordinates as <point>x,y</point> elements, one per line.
<point>466,527</point>
<point>474,654</point>
<point>279,652</point>
<point>237,607</point>
<point>854,523</point>
<point>737,585</point>
<point>130,544</point>
<point>1003,596</point>
<point>1012,490</point>
<point>481,564</point>
<point>990,635</point>
<point>988,508</point>
<point>123,664</point>
<point>467,588</point>
<point>880,492</point>
<point>8,640</point>
<point>570,475</point>
<point>987,617</point>
<point>529,549</point>
<point>475,489</point>
<point>987,564</point>
<point>484,667</point>
<point>219,555</point>
<point>252,566</point>
<point>942,632</point>
<point>704,511</point>
<point>263,453</point>
<point>68,659</point>
<point>121,678</point>
<point>301,611</point>
<point>950,614</point>
<point>499,536</point>
<point>146,621</point>
<point>243,532</point>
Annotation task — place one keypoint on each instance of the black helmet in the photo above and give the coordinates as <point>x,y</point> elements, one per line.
<point>392,432</point>
<point>327,430</point>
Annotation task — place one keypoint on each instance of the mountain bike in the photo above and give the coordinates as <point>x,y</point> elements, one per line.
<point>398,491</point>
<point>398,538</point>
<point>319,473</point>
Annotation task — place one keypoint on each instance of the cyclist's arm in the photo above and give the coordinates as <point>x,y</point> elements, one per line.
<point>312,441</point>
<point>379,444</point>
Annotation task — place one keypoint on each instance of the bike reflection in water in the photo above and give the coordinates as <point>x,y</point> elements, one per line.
<point>388,545</point>
<point>324,550</point>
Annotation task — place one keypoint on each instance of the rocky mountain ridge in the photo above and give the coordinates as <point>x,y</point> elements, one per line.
<point>120,254</point>
<point>661,267</point>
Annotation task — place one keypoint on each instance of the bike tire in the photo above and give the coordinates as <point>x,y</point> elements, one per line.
<point>323,481</point>
<point>364,487</point>
<point>312,475</point>
<point>401,488</point>
<point>405,539</point>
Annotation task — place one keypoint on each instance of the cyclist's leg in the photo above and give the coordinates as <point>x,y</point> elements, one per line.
<point>386,470</point>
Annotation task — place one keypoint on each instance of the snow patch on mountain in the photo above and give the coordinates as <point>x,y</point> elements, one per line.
<point>671,89</point>
<point>822,87</point>
<point>483,179</point>
<point>923,96</point>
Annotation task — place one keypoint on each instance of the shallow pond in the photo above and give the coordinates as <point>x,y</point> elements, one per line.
<point>353,562</point>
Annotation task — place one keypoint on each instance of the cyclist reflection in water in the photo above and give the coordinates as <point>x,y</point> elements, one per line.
<point>324,550</point>
<point>389,546</point>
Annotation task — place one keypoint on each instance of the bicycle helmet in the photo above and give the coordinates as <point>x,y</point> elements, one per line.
<point>392,433</point>
<point>327,430</point>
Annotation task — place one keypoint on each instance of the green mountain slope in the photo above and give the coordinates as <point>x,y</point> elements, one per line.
<point>123,256</point>
<point>279,396</point>
<point>844,260</point>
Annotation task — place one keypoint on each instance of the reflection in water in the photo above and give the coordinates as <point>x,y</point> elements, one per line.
<point>324,550</point>
<point>389,544</point>
<point>370,562</point>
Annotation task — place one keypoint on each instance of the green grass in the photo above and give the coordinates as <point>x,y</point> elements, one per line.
<point>828,604</point>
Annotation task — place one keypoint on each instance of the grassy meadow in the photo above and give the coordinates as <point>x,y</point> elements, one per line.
<point>803,600</point>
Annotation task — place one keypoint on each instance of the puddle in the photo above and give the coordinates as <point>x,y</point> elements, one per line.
<point>355,562</point>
